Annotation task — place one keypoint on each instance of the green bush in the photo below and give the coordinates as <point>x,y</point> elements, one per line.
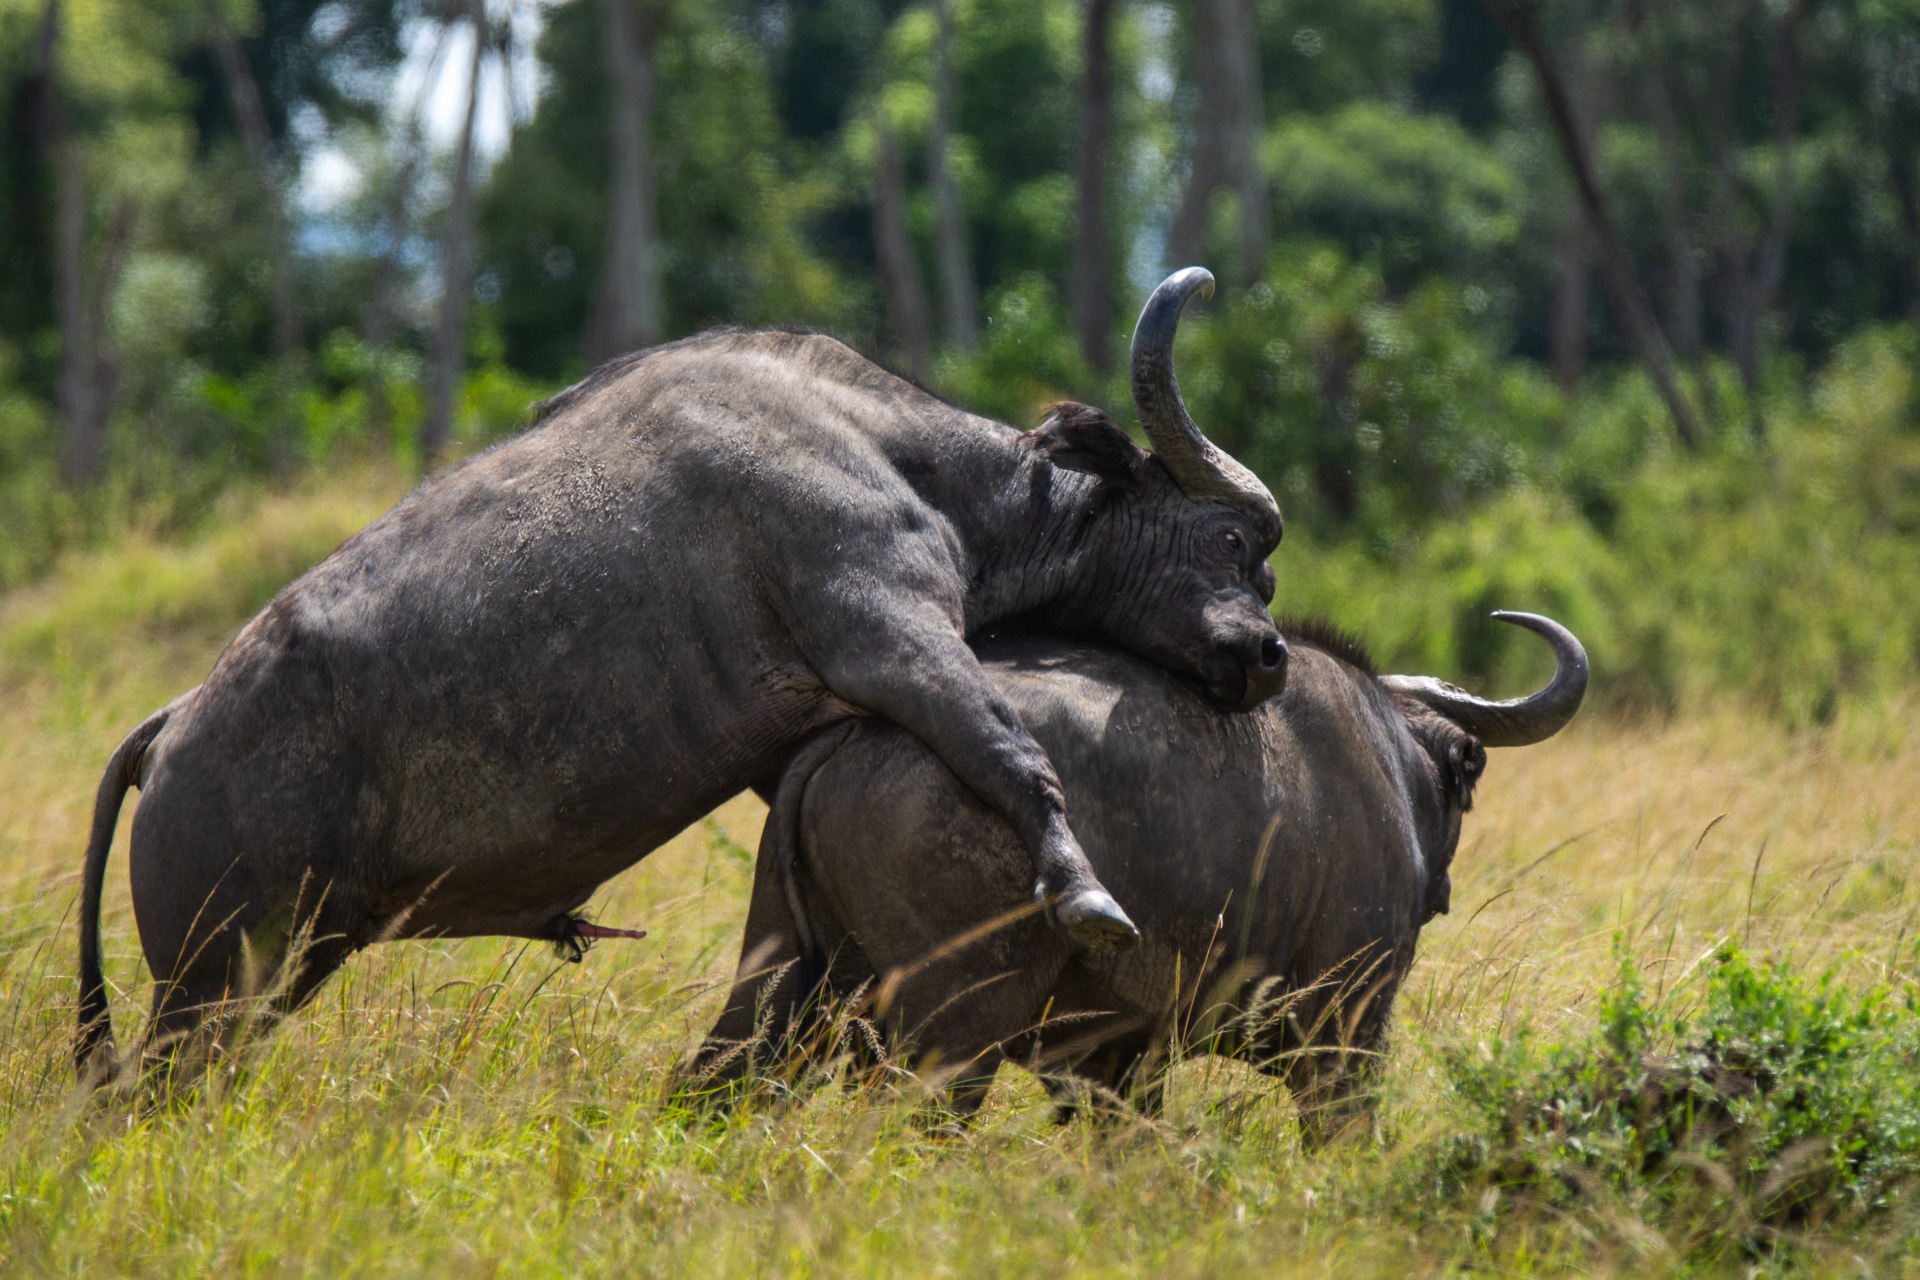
<point>1028,357</point>
<point>1367,414</point>
<point>1786,571</point>
<point>1778,1103</point>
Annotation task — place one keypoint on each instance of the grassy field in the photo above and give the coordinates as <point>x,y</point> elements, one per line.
<point>480,1108</point>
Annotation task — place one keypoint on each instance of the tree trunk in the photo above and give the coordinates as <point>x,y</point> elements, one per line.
<point>377,333</point>
<point>628,311</point>
<point>1772,265</point>
<point>84,396</point>
<point>1754,271</point>
<point>949,226</point>
<point>1629,300</point>
<point>244,92</point>
<point>1570,304</point>
<point>899,270</point>
<point>1683,266</point>
<point>450,342</point>
<point>1334,445</point>
<point>1092,293</point>
<point>1901,156</point>
<point>1226,150</point>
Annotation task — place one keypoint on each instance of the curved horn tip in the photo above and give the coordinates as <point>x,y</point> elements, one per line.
<point>1517,722</point>
<point>1548,629</point>
<point>1188,281</point>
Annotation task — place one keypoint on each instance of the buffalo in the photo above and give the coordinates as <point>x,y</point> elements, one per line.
<point>1280,864</point>
<point>546,661</point>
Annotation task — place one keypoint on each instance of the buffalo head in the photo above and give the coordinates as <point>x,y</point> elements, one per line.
<point>1183,574</point>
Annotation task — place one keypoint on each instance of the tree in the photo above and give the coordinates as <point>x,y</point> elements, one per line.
<point>627,311</point>
<point>456,276</point>
<point>244,92</point>
<point>87,373</point>
<point>378,322</point>
<point>1092,290</point>
<point>1683,266</point>
<point>899,268</point>
<point>1226,146</point>
<point>1754,265</point>
<point>1888,49</point>
<point>1643,331</point>
<point>949,227</point>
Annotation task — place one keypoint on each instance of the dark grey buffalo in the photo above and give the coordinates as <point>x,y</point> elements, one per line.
<point>1280,865</point>
<point>545,662</point>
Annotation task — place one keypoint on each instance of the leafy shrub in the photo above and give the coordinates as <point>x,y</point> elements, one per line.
<point>1416,191</point>
<point>1368,414</point>
<point>1785,571</point>
<point>1781,1103</point>
<point>1028,357</point>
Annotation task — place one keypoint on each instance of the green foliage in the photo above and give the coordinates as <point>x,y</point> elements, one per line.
<point>1028,357</point>
<point>731,207</point>
<point>1778,1103</point>
<point>1320,54</point>
<point>1414,194</point>
<point>1366,412</point>
<point>1786,573</point>
<point>33,508</point>
<point>357,407</point>
<point>194,591</point>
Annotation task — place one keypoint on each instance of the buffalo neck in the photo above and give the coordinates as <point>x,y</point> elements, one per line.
<point>1030,534</point>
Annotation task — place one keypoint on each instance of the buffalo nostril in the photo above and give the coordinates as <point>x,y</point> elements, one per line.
<point>1272,653</point>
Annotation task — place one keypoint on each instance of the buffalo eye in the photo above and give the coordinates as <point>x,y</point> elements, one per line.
<point>1235,543</point>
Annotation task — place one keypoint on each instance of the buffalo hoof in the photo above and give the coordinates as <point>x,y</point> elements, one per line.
<point>1095,921</point>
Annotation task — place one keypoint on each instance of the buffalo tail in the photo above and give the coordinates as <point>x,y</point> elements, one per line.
<point>93,1043</point>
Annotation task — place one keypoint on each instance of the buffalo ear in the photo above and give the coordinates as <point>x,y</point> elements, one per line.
<point>1466,761</point>
<point>1077,437</point>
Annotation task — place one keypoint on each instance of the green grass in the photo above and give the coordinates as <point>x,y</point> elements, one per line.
<point>480,1108</point>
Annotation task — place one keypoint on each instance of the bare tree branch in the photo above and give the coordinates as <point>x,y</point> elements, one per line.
<point>1517,18</point>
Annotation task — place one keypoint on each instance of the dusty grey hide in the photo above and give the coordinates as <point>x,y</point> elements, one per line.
<point>545,662</point>
<point>1280,865</point>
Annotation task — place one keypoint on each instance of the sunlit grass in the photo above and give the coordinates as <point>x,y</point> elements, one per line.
<point>483,1108</point>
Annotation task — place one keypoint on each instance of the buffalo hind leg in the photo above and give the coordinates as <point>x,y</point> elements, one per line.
<point>235,979</point>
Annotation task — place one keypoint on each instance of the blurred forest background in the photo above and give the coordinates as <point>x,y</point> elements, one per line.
<point>1598,307</point>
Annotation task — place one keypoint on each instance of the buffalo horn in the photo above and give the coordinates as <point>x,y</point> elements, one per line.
<point>1204,472</point>
<point>1518,722</point>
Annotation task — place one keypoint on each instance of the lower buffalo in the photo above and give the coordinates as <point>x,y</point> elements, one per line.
<point>1280,865</point>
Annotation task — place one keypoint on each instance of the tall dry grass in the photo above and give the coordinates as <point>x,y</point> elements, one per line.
<point>481,1108</point>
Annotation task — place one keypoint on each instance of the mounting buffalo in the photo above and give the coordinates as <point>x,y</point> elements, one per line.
<point>1280,865</point>
<point>546,661</point>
